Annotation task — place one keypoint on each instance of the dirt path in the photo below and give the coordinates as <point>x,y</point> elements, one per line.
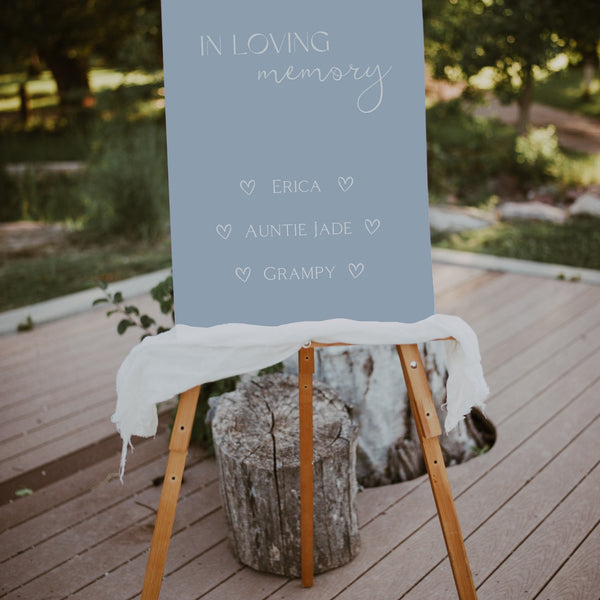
<point>26,238</point>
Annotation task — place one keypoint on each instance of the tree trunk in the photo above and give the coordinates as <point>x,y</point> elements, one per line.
<point>255,431</point>
<point>590,62</point>
<point>369,380</point>
<point>71,76</point>
<point>524,102</point>
<point>24,105</point>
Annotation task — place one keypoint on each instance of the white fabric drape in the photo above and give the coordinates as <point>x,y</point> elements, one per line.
<point>172,362</point>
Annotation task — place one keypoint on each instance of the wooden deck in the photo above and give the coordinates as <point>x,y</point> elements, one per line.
<point>529,508</point>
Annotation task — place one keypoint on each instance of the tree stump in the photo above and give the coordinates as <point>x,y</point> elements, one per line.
<point>256,439</point>
<point>369,380</point>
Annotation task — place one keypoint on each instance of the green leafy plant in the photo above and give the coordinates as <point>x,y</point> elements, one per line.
<point>26,324</point>
<point>480,451</point>
<point>131,316</point>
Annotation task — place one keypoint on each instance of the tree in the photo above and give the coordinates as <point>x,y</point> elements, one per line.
<point>579,25</point>
<point>514,37</point>
<point>64,34</point>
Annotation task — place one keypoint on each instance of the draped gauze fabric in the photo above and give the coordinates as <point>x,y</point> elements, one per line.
<point>175,361</point>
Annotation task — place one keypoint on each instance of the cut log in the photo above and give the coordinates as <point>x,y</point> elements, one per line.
<point>256,439</point>
<point>369,380</point>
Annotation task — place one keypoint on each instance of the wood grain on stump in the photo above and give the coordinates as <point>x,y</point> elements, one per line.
<point>370,382</point>
<point>256,440</point>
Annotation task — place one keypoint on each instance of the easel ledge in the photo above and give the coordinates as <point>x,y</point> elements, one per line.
<point>428,428</point>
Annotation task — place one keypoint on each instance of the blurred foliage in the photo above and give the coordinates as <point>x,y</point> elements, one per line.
<point>122,189</point>
<point>126,190</point>
<point>578,25</point>
<point>579,169</point>
<point>65,35</point>
<point>474,158</point>
<point>466,153</point>
<point>39,196</point>
<point>566,89</point>
<point>43,140</point>
<point>538,156</point>
<point>26,324</point>
<point>11,205</point>
<point>513,37</point>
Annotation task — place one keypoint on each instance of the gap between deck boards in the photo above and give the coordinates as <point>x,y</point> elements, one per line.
<point>63,466</point>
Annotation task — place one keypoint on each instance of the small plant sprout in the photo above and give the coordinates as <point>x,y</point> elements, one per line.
<point>131,315</point>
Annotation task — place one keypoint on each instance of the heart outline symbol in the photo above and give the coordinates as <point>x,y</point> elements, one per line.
<point>372,225</point>
<point>224,230</point>
<point>247,186</point>
<point>356,270</point>
<point>243,274</point>
<point>345,183</point>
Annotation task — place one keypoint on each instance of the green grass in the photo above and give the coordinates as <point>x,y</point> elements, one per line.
<point>564,89</point>
<point>575,243</point>
<point>45,142</point>
<point>26,280</point>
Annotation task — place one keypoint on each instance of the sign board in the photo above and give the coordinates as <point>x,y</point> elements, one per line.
<point>297,160</point>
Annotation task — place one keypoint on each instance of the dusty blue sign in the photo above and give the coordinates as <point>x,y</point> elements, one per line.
<point>297,160</point>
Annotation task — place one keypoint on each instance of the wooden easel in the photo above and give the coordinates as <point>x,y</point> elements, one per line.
<point>428,428</point>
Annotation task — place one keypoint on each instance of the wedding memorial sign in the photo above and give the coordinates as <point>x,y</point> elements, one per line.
<point>297,161</point>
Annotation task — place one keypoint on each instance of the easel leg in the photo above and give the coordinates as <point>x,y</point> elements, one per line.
<point>178,447</point>
<point>428,428</point>
<point>306,368</point>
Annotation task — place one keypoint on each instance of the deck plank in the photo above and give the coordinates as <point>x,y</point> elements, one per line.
<point>207,572</point>
<point>40,559</point>
<point>51,497</point>
<point>66,334</point>
<point>544,323</point>
<point>501,510</point>
<point>88,537</point>
<point>579,577</point>
<point>486,301</point>
<point>521,425</point>
<point>525,572</point>
<point>129,545</point>
<point>573,339</point>
<point>246,584</point>
<point>126,581</point>
<point>518,317</point>
<point>69,442</point>
<point>449,277</point>
<point>74,511</point>
<point>422,544</point>
<point>512,314</point>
